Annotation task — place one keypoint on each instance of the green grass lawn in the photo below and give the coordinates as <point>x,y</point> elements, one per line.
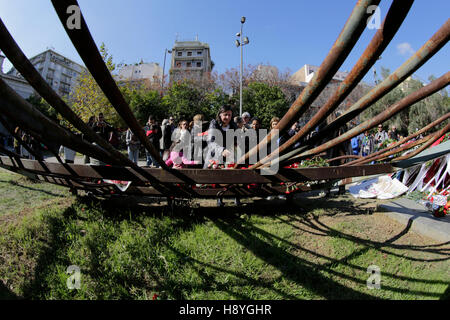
<point>315,249</point>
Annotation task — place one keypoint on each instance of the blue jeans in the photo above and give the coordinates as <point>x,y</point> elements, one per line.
<point>150,160</point>
<point>133,154</point>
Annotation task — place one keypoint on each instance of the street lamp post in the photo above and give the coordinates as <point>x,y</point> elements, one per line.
<point>241,43</point>
<point>164,67</point>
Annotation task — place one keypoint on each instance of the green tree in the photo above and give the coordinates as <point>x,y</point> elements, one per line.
<point>415,116</point>
<point>185,99</point>
<point>429,109</point>
<point>87,99</point>
<point>145,102</point>
<point>264,101</point>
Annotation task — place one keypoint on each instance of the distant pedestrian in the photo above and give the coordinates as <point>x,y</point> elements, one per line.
<point>153,133</point>
<point>394,133</point>
<point>366,144</point>
<point>274,122</point>
<point>133,146</point>
<point>380,136</point>
<point>102,128</point>
<point>246,117</point>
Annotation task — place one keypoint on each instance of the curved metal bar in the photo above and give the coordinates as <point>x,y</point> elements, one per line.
<point>30,119</point>
<point>394,18</point>
<point>345,42</point>
<point>433,139</point>
<point>412,98</point>
<point>348,156</point>
<point>87,49</point>
<point>18,138</point>
<point>431,47</point>
<point>408,146</point>
<point>27,70</point>
<point>24,66</point>
<point>402,141</point>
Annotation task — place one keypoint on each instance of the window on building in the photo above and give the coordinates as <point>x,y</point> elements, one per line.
<point>179,53</point>
<point>199,64</point>
<point>188,64</point>
<point>199,53</point>
<point>189,53</point>
<point>178,65</point>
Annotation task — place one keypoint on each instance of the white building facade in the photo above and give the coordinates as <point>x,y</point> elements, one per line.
<point>307,72</point>
<point>60,72</point>
<point>17,83</point>
<point>140,73</point>
<point>190,60</point>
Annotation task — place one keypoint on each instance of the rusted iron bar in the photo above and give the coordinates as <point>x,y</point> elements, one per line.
<point>87,49</point>
<point>408,146</point>
<point>9,46</point>
<point>8,152</point>
<point>394,18</point>
<point>349,35</point>
<point>32,120</point>
<point>18,138</point>
<point>412,98</point>
<point>433,139</point>
<point>202,176</point>
<point>16,56</point>
<point>349,156</point>
<point>431,47</point>
<point>210,192</point>
<point>369,158</point>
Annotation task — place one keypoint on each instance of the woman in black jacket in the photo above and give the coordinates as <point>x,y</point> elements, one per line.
<point>215,150</point>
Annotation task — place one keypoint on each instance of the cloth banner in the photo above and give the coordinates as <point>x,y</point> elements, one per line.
<point>381,188</point>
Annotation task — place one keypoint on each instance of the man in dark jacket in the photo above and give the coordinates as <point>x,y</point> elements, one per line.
<point>153,133</point>
<point>102,127</point>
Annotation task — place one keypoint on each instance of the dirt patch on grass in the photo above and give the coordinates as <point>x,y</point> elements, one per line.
<point>354,219</point>
<point>14,219</point>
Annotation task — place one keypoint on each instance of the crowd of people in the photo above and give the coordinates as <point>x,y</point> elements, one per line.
<point>194,136</point>
<point>204,149</point>
<point>368,142</point>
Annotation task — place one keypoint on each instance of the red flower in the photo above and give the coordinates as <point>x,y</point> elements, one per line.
<point>155,297</point>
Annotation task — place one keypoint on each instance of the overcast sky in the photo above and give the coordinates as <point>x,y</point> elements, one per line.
<point>286,34</point>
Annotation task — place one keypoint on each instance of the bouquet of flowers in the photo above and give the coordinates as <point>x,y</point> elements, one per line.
<point>438,203</point>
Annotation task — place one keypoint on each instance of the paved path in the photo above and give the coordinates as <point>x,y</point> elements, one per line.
<point>407,211</point>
